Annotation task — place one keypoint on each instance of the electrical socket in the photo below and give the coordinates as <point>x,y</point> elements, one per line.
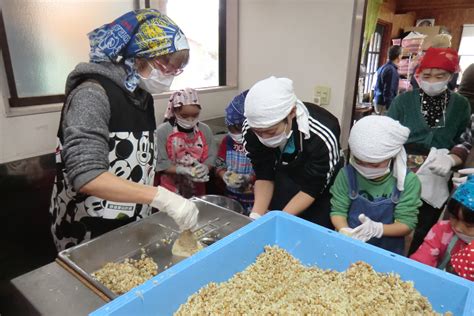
<point>322,93</point>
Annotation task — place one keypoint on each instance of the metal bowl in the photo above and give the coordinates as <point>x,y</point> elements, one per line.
<point>225,202</point>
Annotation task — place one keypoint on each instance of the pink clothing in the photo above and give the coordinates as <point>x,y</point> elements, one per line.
<point>436,242</point>
<point>185,150</point>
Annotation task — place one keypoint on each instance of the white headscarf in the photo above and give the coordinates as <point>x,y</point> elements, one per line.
<point>377,138</point>
<point>270,100</point>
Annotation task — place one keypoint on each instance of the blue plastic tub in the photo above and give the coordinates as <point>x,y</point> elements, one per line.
<point>310,243</point>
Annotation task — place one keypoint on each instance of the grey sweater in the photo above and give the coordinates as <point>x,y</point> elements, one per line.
<point>85,122</point>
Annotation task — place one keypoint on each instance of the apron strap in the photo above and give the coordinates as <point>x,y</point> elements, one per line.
<point>352,181</point>
<point>447,254</point>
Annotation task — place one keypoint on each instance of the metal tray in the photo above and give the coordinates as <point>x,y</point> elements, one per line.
<point>156,234</point>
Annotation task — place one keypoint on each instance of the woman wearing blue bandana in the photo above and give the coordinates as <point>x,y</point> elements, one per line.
<point>106,154</point>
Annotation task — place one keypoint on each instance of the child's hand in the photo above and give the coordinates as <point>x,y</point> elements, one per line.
<point>368,229</point>
<point>201,170</point>
<point>235,180</point>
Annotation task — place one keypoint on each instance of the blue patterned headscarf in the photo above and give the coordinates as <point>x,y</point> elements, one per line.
<point>142,33</point>
<point>465,193</point>
<point>235,110</point>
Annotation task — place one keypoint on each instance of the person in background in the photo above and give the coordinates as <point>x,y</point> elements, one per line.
<point>438,41</point>
<point>233,165</point>
<point>186,148</point>
<point>463,149</point>
<point>436,118</point>
<point>374,198</point>
<point>294,150</point>
<point>386,85</point>
<point>450,244</point>
<point>466,87</point>
<point>106,156</point>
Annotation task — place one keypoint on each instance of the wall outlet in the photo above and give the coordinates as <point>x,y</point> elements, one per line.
<point>317,100</point>
<point>322,93</point>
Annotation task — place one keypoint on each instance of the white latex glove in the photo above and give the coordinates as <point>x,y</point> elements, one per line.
<point>201,170</point>
<point>368,229</point>
<point>346,231</point>
<point>457,181</point>
<point>181,210</point>
<point>185,171</point>
<point>234,180</point>
<point>254,215</point>
<point>441,164</point>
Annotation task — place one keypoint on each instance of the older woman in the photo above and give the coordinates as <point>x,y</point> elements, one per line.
<point>106,155</point>
<point>436,118</point>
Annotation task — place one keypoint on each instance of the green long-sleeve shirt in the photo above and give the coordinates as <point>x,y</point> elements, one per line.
<point>406,109</point>
<point>406,211</point>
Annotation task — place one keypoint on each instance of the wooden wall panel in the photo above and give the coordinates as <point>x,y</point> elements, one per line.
<point>387,10</point>
<point>400,21</point>
<point>453,19</point>
<point>450,13</point>
<point>420,5</point>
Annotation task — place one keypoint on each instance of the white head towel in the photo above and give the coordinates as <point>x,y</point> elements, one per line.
<point>377,138</point>
<point>270,100</point>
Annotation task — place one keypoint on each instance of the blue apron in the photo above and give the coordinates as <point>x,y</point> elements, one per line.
<point>380,210</point>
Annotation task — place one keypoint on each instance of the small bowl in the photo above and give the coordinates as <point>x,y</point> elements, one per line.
<point>225,202</point>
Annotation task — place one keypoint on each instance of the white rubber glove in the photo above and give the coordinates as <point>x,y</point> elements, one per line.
<point>441,164</point>
<point>368,229</point>
<point>457,181</point>
<point>185,171</point>
<point>235,180</point>
<point>181,210</point>
<point>254,215</point>
<point>346,231</point>
<point>201,170</point>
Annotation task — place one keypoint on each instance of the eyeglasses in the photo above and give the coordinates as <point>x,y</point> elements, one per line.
<point>164,70</point>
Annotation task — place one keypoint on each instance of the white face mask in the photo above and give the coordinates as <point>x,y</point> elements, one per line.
<point>156,82</point>
<point>238,138</point>
<point>467,239</point>
<point>433,88</point>
<point>185,123</point>
<point>277,140</point>
<point>370,173</point>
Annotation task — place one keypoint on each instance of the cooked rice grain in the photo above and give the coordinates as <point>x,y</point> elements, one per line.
<point>278,284</point>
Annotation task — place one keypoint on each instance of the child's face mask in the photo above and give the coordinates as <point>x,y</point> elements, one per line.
<point>186,124</point>
<point>466,238</point>
<point>238,138</point>
<point>368,172</point>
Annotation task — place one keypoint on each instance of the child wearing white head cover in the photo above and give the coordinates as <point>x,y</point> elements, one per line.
<point>372,200</point>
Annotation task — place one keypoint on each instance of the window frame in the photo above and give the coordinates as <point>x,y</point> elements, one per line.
<point>15,102</point>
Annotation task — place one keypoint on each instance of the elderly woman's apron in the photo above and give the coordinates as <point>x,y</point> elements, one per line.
<point>78,217</point>
<point>185,149</point>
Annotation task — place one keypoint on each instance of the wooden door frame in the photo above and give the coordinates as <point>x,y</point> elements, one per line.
<point>386,40</point>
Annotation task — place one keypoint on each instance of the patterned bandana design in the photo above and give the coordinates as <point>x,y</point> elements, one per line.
<point>142,33</point>
<point>234,113</point>
<point>465,193</point>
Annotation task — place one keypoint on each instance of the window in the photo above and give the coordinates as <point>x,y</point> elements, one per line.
<point>42,41</point>
<point>373,57</point>
<point>466,48</point>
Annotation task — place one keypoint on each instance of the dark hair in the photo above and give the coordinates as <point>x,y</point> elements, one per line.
<point>394,52</point>
<point>454,207</point>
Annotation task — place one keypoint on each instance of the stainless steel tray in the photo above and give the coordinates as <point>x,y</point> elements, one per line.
<point>155,234</point>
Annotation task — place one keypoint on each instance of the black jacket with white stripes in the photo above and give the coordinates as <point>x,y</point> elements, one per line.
<point>315,161</point>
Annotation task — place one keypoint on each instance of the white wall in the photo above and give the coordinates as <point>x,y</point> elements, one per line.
<point>304,40</point>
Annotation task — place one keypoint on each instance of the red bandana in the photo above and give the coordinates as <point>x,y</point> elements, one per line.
<point>441,58</point>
